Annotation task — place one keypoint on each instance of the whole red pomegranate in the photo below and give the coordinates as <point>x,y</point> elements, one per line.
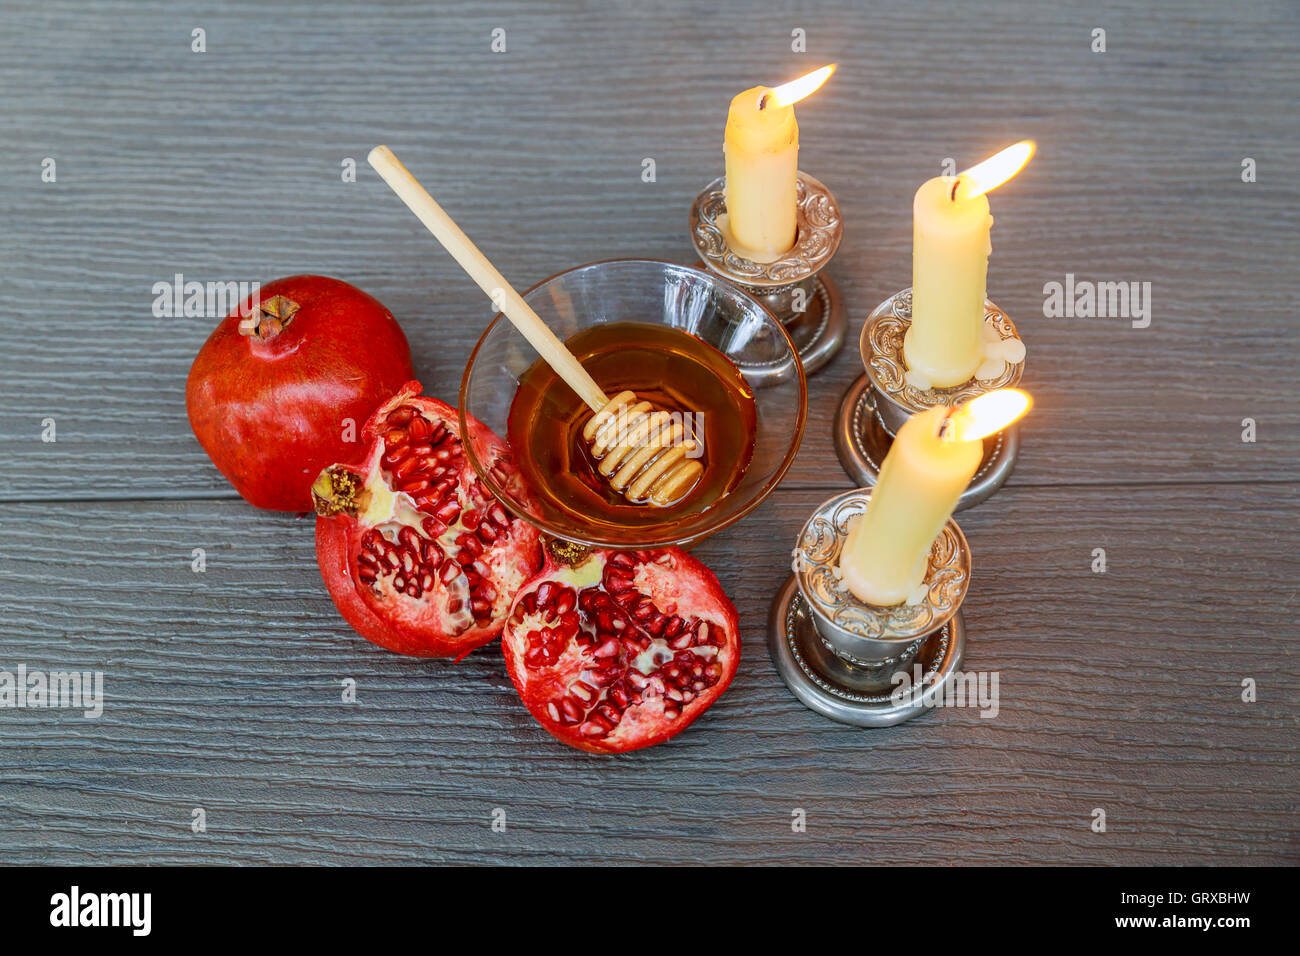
<point>279,388</point>
<point>417,555</point>
<point>620,649</point>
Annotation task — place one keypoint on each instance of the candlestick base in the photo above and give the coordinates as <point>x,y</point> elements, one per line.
<point>793,287</point>
<point>850,693</point>
<point>838,655</point>
<point>862,441</point>
<point>877,404</point>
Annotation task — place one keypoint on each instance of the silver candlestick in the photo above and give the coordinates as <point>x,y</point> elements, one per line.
<point>880,401</point>
<point>838,655</point>
<point>794,287</point>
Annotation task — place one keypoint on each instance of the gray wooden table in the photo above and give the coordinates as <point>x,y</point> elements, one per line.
<point>1120,691</point>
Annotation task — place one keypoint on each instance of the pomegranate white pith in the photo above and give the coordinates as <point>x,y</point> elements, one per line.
<point>622,651</point>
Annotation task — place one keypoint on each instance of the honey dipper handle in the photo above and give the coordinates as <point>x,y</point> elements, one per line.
<point>528,322</point>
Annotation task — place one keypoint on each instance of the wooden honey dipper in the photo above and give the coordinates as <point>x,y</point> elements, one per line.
<point>643,451</point>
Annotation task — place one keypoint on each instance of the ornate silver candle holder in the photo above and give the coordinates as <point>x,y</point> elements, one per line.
<point>879,402</point>
<point>840,656</point>
<point>794,287</point>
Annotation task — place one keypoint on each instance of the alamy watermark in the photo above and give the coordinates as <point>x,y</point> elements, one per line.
<point>81,690</point>
<point>74,908</point>
<point>1084,299</point>
<point>211,300</point>
<point>963,689</point>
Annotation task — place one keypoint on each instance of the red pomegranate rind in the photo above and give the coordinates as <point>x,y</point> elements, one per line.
<point>622,651</point>
<point>271,392</point>
<point>417,555</point>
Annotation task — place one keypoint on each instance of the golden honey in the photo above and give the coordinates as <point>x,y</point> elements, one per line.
<point>666,366</point>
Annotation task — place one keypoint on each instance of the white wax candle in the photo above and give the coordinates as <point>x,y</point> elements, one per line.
<point>887,550</point>
<point>950,259</point>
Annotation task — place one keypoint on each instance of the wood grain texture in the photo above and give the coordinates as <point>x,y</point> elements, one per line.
<point>1120,691</point>
<point>219,167</point>
<point>223,691</point>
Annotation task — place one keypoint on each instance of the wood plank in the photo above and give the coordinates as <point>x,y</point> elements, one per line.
<point>1118,690</point>
<point>223,166</point>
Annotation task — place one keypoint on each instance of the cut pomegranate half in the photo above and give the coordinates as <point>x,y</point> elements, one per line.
<point>417,555</point>
<point>620,649</point>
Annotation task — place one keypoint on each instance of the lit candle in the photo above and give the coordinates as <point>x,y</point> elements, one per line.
<point>761,146</point>
<point>931,462</point>
<point>950,261</point>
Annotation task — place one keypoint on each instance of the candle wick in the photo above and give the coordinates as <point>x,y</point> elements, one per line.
<point>762,101</point>
<point>945,427</point>
<point>956,181</point>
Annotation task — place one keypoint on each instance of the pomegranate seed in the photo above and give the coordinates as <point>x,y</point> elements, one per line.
<point>570,711</point>
<point>404,468</point>
<point>420,428</point>
<point>413,486</point>
<point>448,511</point>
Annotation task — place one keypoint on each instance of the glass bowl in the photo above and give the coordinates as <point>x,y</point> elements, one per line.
<point>647,290</point>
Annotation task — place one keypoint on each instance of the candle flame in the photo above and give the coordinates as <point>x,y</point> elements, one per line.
<point>790,93</point>
<point>987,414</point>
<point>994,171</point>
